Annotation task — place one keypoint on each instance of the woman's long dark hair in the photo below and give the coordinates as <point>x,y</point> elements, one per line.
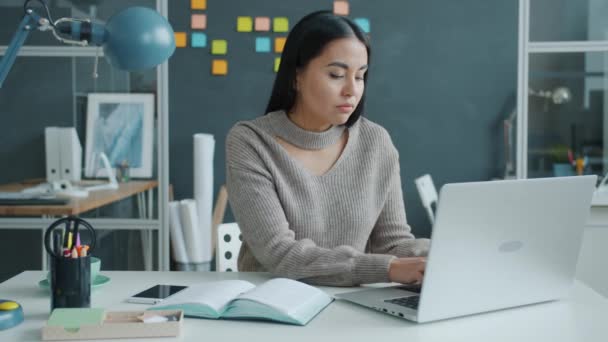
<point>306,41</point>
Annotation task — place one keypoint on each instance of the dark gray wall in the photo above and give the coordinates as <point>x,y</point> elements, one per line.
<point>441,72</point>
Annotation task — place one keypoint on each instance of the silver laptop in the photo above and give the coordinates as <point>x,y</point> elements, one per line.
<point>495,245</point>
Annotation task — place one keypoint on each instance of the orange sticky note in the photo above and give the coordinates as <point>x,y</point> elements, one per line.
<point>198,4</point>
<point>341,8</point>
<point>280,24</point>
<point>219,47</point>
<point>279,44</point>
<point>244,24</point>
<point>219,67</point>
<point>277,63</point>
<point>199,21</point>
<point>180,39</point>
<point>262,24</point>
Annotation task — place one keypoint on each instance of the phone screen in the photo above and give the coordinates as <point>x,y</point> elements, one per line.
<point>160,291</point>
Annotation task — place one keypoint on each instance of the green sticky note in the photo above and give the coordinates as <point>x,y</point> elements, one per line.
<point>277,63</point>
<point>73,319</point>
<point>219,47</point>
<point>244,24</point>
<point>280,24</point>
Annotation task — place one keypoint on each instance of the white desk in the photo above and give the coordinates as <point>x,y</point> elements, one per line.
<point>593,260</point>
<point>580,318</point>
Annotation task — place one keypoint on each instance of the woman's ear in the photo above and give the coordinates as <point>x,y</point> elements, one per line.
<point>296,81</point>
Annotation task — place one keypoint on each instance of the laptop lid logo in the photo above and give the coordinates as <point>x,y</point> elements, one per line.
<point>510,246</point>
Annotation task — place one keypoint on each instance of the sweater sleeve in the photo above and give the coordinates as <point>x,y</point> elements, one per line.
<point>259,213</point>
<point>391,233</point>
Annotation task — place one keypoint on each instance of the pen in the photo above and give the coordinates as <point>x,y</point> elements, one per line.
<point>57,238</point>
<point>65,234</point>
<point>76,234</point>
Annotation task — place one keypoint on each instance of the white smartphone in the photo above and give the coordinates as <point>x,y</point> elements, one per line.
<point>155,294</point>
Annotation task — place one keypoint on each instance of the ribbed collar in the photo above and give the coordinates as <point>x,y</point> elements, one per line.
<point>285,129</point>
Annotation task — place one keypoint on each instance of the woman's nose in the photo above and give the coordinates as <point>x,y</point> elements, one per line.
<point>349,88</point>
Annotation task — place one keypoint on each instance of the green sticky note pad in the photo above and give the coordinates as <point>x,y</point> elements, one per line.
<point>280,24</point>
<point>75,318</point>
<point>219,47</point>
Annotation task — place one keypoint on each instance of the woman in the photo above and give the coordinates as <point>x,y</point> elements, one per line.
<point>314,186</point>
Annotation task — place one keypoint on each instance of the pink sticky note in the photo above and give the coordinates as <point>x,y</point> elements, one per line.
<point>262,23</point>
<point>199,21</point>
<point>341,8</point>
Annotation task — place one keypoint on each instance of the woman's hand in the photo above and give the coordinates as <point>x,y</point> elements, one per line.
<point>407,270</point>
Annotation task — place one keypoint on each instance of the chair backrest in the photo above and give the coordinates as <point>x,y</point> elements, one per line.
<point>428,195</point>
<point>229,241</point>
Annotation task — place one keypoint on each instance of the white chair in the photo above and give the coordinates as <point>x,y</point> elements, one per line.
<point>229,242</point>
<point>428,195</point>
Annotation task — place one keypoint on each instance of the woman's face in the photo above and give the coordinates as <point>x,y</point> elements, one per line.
<point>330,87</point>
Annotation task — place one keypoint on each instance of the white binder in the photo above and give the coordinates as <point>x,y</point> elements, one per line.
<point>71,154</point>
<point>53,158</point>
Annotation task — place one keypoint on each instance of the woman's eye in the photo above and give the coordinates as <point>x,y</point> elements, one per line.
<point>332,75</point>
<point>359,78</point>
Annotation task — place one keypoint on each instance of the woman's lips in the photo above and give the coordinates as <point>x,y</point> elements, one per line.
<point>345,108</point>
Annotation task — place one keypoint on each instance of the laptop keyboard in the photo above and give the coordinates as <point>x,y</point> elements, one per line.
<point>409,301</point>
<point>416,288</point>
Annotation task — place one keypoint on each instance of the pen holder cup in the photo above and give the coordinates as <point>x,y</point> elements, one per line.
<point>70,282</point>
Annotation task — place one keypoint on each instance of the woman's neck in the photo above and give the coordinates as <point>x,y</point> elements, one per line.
<point>307,121</point>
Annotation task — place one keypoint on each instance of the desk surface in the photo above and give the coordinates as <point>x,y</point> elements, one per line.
<point>582,317</point>
<point>75,206</point>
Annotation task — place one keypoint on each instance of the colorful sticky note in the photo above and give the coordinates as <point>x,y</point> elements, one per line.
<point>219,47</point>
<point>198,40</point>
<point>262,44</point>
<point>279,44</point>
<point>199,21</point>
<point>277,63</point>
<point>198,4</point>
<point>280,24</point>
<point>219,67</point>
<point>341,8</point>
<point>244,24</point>
<point>262,24</point>
<point>363,23</point>
<point>180,39</point>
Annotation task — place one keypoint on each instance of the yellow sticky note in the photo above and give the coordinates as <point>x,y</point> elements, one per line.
<point>279,44</point>
<point>341,8</point>
<point>280,24</point>
<point>219,67</point>
<point>244,24</point>
<point>180,39</point>
<point>277,63</point>
<point>219,47</point>
<point>198,4</point>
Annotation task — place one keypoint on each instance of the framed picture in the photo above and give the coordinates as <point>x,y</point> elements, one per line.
<point>121,126</point>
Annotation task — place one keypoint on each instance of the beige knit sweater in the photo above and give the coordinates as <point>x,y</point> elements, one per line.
<point>341,228</point>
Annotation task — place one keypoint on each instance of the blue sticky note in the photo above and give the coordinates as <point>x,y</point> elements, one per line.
<point>363,23</point>
<point>262,44</point>
<point>199,40</point>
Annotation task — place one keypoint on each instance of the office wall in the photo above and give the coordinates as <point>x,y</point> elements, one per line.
<point>441,72</point>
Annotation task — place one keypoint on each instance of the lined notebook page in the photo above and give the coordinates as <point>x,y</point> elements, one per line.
<point>285,295</point>
<point>215,294</point>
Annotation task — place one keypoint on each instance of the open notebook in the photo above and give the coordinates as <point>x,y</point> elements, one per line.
<point>280,299</point>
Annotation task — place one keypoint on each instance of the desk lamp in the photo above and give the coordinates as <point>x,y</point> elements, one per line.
<point>133,39</point>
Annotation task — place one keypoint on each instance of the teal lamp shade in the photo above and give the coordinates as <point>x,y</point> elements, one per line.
<point>138,38</point>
